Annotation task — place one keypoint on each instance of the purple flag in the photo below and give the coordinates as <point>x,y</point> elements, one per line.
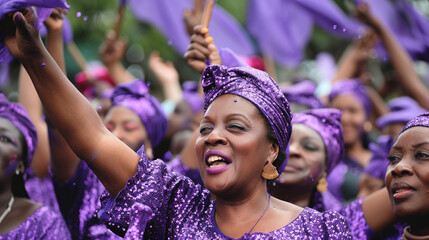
<point>408,25</point>
<point>44,9</point>
<point>167,17</point>
<point>283,28</point>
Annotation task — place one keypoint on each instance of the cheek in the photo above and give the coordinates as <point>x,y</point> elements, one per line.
<point>316,165</point>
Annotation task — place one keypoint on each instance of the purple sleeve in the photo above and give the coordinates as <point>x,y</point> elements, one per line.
<point>354,215</point>
<point>152,201</point>
<point>176,165</point>
<point>42,224</point>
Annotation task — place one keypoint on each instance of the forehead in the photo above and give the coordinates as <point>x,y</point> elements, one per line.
<point>412,136</point>
<point>7,126</point>
<point>300,130</point>
<point>119,113</point>
<point>232,104</point>
<point>346,100</point>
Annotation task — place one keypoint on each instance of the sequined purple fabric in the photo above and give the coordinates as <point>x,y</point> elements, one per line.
<point>176,165</point>
<point>303,93</point>
<point>42,190</point>
<point>419,121</point>
<point>44,223</point>
<point>191,96</point>
<point>358,225</point>
<point>327,123</point>
<point>135,96</point>
<point>355,88</point>
<point>18,116</point>
<point>257,87</point>
<point>379,160</point>
<point>402,110</point>
<point>78,199</point>
<point>167,205</point>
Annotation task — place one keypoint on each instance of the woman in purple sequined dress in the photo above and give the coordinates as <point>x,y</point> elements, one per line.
<point>245,128</point>
<point>20,217</point>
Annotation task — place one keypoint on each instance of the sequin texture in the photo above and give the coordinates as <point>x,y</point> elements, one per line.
<point>167,205</point>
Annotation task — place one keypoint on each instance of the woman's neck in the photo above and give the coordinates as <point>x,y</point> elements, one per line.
<point>419,228</point>
<point>300,197</point>
<point>236,217</point>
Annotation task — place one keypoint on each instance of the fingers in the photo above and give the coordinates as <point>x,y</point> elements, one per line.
<point>20,23</point>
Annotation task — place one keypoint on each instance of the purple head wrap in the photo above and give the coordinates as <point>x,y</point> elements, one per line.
<point>191,96</point>
<point>18,116</point>
<point>135,96</point>
<point>355,88</point>
<point>44,9</point>
<point>257,87</point>
<point>379,160</point>
<point>327,123</point>
<point>303,93</point>
<point>419,121</point>
<point>402,110</point>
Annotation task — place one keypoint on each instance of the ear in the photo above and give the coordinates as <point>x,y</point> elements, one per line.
<point>273,152</point>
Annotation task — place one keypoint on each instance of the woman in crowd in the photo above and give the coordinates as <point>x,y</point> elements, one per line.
<point>233,149</point>
<point>406,177</point>
<point>20,217</point>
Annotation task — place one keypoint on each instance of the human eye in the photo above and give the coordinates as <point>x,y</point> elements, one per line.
<point>6,139</point>
<point>129,127</point>
<point>394,159</point>
<point>236,126</point>
<point>422,155</point>
<point>309,146</point>
<point>204,129</point>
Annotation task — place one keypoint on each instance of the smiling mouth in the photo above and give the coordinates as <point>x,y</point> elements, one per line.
<point>216,161</point>
<point>401,191</point>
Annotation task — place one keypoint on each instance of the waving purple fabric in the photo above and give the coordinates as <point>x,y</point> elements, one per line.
<point>257,87</point>
<point>303,93</point>
<point>67,31</point>
<point>167,17</point>
<point>408,25</point>
<point>44,9</point>
<point>191,96</point>
<point>283,28</point>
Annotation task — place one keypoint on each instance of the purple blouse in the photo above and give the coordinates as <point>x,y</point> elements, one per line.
<point>157,204</point>
<point>44,223</point>
<point>42,190</point>
<point>78,200</point>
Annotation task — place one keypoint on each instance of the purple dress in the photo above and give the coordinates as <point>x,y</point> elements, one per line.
<point>78,200</point>
<point>176,165</point>
<point>44,223</point>
<point>42,190</point>
<point>360,229</point>
<point>156,204</point>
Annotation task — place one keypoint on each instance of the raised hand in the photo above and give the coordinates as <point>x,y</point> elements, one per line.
<point>55,22</point>
<point>24,41</point>
<point>164,71</point>
<point>112,50</point>
<point>192,17</point>
<point>201,50</point>
<point>363,13</point>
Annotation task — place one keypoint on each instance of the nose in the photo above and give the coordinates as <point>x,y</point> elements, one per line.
<point>118,133</point>
<point>215,137</point>
<point>294,150</point>
<point>402,168</point>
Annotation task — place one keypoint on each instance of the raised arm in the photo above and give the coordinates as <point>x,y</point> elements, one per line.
<point>110,159</point>
<point>399,58</point>
<point>111,52</point>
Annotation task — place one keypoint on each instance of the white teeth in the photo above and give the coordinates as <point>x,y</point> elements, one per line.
<point>213,159</point>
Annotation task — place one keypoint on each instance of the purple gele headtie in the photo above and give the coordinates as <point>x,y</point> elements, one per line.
<point>257,87</point>
<point>135,96</point>
<point>355,88</point>
<point>18,116</point>
<point>191,96</point>
<point>303,93</point>
<point>402,110</point>
<point>419,121</point>
<point>327,123</point>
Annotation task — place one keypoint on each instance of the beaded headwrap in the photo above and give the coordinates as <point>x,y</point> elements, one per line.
<point>257,87</point>
<point>379,160</point>
<point>419,121</point>
<point>18,116</point>
<point>402,110</point>
<point>303,93</point>
<point>135,96</point>
<point>355,88</point>
<point>327,123</point>
<point>191,96</point>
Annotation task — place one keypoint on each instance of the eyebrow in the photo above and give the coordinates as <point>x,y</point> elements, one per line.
<point>228,116</point>
<point>420,144</point>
